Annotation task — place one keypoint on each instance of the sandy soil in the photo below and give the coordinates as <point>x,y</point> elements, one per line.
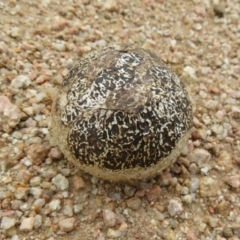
<point>42,196</point>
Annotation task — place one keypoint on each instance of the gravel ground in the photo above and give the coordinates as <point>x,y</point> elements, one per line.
<point>42,196</point>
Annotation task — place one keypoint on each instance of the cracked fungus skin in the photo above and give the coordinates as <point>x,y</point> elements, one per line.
<point>121,114</point>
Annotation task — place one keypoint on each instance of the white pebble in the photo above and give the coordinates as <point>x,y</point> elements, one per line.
<point>21,193</point>
<point>206,70</point>
<point>67,224</point>
<point>28,110</point>
<point>35,181</point>
<point>27,224</point>
<point>20,81</point>
<point>231,101</point>
<point>55,205</point>
<point>15,32</point>
<point>36,192</point>
<point>6,179</point>
<point>100,43</point>
<point>37,221</point>
<point>61,46</point>
<point>194,185</point>
<point>189,72</point>
<point>109,217</point>
<point>110,5</point>
<point>206,169</point>
<point>233,181</point>
<point>4,103</point>
<point>14,115</point>
<point>211,104</point>
<point>40,96</point>
<point>45,131</point>
<point>113,233</point>
<point>187,198</point>
<point>77,208</point>
<point>60,182</point>
<point>39,202</point>
<point>18,135</point>
<point>15,237</point>
<point>199,156</point>
<point>197,26</point>
<point>25,207</point>
<point>209,187</point>
<point>175,207</point>
<point>26,162</point>
<point>219,130</point>
<point>7,223</point>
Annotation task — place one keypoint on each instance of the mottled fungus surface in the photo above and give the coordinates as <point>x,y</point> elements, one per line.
<point>121,114</point>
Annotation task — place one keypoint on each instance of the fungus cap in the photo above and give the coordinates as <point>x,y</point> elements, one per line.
<point>121,114</point>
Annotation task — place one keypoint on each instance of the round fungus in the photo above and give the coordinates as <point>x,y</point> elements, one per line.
<point>121,114</point>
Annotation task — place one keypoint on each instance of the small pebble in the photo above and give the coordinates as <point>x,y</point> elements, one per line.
<point>4,103</point>
<point>211,104</point>
<point>14,115</point>
<point>35,181</point>
<point>219,131</point>
<point>199,156</point>
<point>134,203</point>
<point>187,199</point>
<point>7,223</point>
<point>36,192</point>
<point>113,233</point>
<point>77,208</point>
<point>212,221</point>
<point>37,221</point>
<point>223,208</point>
<point>60,46</point>
<point>83,50</point>
<point>233,181</point>
<point>25,206</point>
<point>154,193</point>
<point>109,217</point>
<point>55,205</point>
<point>225,160</point>
<point>60,182</point>
<point>190,72</point>
<point>20,81</point>
<point>68,208</point>
<point>78,182</point>
<point>67,224</point>
<point>166,178</point>
<point>111,5</point>
<point>65,171</point>
<point>37,153</point>
<point>15,204</point>
<point>204,170</point>
<point>55,153</point>
<point>208,187</point>
<point>227,232</point>
<point>21,193</point>
<point>27,224</point>
<point>191,235</point>
<point>123,228</point>
<point>16,32</point>
<point>175,207</point>
<point>48,173</point>
<point>15,237</point>
<point>39,202</point>
<point>129,191</point>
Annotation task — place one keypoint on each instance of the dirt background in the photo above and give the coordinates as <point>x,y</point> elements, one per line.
<point>43,197</point>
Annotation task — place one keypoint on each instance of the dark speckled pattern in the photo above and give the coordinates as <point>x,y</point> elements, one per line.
<point>125,108</point>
